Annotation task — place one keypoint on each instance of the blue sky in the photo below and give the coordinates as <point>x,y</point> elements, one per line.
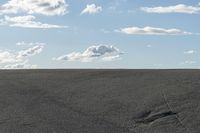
<point>99,34</point>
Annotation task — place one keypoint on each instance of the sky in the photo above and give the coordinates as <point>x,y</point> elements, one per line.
<point>129,34</point>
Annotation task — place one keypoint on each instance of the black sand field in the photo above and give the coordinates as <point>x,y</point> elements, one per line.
<point>100,101</point>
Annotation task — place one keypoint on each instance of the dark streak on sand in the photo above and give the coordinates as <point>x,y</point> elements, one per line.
<point>146,119</point>
<point>100,101</point>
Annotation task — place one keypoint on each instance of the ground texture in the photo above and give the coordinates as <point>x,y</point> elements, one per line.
<point>100,101</point>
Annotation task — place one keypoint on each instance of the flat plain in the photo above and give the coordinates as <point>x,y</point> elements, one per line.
<point>99,101</point>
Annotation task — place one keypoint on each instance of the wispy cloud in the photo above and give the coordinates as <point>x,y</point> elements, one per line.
<point>151,31</point>
<point>27,22</point>
<point>92,9</point>
<point>105,31</point>
<point>19,59</point>
<point>149,46</point>
<point>30,52</point>
<point>188,62</point>
<point>190,52</point>
<point>180,8</point>
<point>28,44</point>
<point>21,65</point>
<point>12,56</point>
<point>114,4</point>
<point>44,7</point>
<point>100,52</point>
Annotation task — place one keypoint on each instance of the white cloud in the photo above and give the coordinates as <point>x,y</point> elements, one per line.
<point>180,8</point>
<point>92,9</point>
<point>31,51</point>
<point>28,44</point>
<point>26,22</point>
<point>188,62</point>
<point>44,7</point>
<point>22,65</point>
<point>24,44</point>
<point>189,52</point>
<point>151,31</point>
<point>101,52</point>
<point>149,46</point>
<point>105,31</point>
<point>14,59</point>
<point>8,57</point>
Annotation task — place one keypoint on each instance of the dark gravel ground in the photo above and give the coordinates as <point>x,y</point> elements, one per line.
<point>100,101</point>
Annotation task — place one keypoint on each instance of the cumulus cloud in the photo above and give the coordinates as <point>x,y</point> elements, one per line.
<point>13,59</point>
<point>26,22</point>
<point>8,57</point>
<point>180,8</point>
<point>102,52</point>
<point>189,52</point>
<point>44,7</point>
<point>92,9</point>
<point>151,31</point>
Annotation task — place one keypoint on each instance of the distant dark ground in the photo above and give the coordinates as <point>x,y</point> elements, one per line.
<point>100,101</point>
